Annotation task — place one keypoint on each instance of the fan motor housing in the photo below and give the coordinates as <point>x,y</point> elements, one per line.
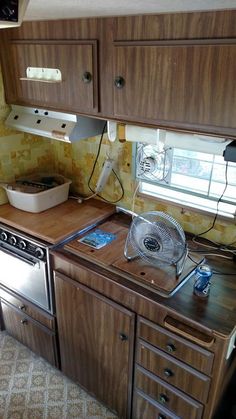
<point>151,244</point>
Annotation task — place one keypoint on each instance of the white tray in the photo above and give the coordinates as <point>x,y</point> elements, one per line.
<point>40,201</point>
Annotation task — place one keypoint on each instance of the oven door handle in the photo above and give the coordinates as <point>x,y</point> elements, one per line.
<point>17,256</point>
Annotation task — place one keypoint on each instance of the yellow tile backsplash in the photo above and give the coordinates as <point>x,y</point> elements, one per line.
<point>24,153</point>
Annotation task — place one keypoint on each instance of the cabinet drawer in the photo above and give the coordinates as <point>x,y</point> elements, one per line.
<point>167,395</point>
<point>180,348</point>
<point>37,337</point>
<point>173,371</point>
<point>28,308</point>
<point>146,408</point>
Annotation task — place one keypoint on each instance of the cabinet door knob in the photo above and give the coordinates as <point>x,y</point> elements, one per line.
<point>22,307</point>
<point>119,82</point>
<point>160,416</point>
<point>170,347</point>
<point>163,398</point>
<point>168,372</point>
<point>122,336</point>
<point>24,321</point>
<point>87,77</point>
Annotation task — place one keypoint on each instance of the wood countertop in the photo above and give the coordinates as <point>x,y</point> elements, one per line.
<point>57,223</point>
<point>216,312</point>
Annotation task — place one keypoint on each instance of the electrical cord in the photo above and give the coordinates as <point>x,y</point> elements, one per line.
<point>133,199</point>
<point>213,272</point>
<point>217,206</point>
<point>97,156</point>
<point>194,261</point>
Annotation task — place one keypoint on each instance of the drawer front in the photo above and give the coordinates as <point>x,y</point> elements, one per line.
<point>173,371</point>
<point>38,338</point>
<point>146,408</point>
<point>180,348</point>
<point>27,308</point>
<point>167,395</point>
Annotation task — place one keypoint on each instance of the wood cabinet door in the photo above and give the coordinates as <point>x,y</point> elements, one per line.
<point>29,332</point>
<point>77,62</point>
<point>96,338</point>
<point>178,84</point>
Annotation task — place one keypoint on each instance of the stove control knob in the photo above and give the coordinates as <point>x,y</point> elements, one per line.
<point>22,245</point>
<point>3,236</point>
<point>39,253</point>
<point>12,240</point>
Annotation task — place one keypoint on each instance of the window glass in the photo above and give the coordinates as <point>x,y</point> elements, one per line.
<point>189,177</point>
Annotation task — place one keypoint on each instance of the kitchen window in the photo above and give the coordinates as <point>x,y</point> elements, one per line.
<point>188,176</point>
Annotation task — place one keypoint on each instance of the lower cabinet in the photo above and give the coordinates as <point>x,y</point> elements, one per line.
<point>166,383</point>
<point>96,339</point>
<point>30,332</point>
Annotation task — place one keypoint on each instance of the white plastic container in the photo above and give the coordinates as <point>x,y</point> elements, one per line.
<point>40,201</point>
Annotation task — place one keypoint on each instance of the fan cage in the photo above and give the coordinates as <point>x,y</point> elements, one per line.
<point>157,238</point>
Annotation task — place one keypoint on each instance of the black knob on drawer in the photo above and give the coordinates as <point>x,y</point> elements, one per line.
<point>87,77</point>
<point>24,321</point>
<point>170,347</point>
<point>122,336</point>
<point>168,372</point>
<point>163,398</point>
<point>119,82</point>
<point>22,307</point>
<point>160,416</point>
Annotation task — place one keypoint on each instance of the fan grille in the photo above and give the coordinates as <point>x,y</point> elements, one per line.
<point>157,238</point>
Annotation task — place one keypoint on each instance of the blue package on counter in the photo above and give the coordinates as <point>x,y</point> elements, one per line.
<point>98,238</point>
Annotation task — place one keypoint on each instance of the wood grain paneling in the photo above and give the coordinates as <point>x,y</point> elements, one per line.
<point>37,337</point>
<point>27,308</point>
<point>147,408</point>
<point>177,85</point>
<point>178,347</point>
<point>166,26</point>
<point>73,59</point>
<point>57,223</point>
<point>96,340</point>
<point>210,321</point>
<point>76,30</point>
<point>170,397</point>
<point>183,377</point>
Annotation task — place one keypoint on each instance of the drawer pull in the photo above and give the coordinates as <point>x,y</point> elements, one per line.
<point>160,416</point>
<point>163,398</point>
<point>24,321</point>
<point>119,82</point>
<point>168,372</point>
<point>22,307</point>
<point>123,337</point>
<point>87,77</point>
<point>170,347</point>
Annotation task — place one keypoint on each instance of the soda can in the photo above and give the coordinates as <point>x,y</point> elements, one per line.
<point>202,282</point>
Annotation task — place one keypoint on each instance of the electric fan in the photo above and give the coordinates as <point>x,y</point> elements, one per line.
<point>152,163</point>
<point>157,238</point>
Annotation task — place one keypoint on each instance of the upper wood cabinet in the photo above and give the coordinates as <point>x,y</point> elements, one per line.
<point>75,60</point>
<point>182,84</point>
<point>171,70</point>
<point>96,338</point>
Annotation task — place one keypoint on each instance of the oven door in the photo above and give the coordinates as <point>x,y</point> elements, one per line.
<point>25,276</point>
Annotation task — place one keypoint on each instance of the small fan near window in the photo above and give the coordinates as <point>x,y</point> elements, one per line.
<point>152,163</point>
<point>157,238</point>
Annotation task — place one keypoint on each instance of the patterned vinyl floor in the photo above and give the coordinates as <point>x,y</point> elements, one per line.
<point>30,388</point>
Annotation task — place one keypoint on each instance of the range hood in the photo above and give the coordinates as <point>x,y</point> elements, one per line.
<point>12,12</point>
<point>57,125</point>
